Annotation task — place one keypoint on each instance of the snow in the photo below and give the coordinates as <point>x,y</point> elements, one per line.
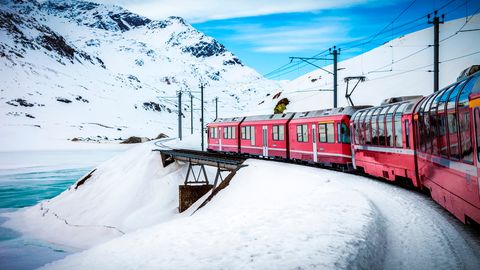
<point>108,103</point>
<point>125,193</point>
<point>282,216</point>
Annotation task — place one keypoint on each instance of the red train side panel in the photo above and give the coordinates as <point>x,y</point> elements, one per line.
<point>322,136</point>
<point>265,135</point>
<point>447,126</point>
<point>382,143</point>
<point>224,135</point>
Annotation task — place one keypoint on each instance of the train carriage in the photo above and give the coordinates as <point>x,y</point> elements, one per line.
<point>447,125</point>
<point>265,135</point>
<point>224,135</point>
<point>322,136</point>
<point>382,143</point>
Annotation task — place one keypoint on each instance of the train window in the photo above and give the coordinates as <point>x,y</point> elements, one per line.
<point>381,126</point>
<point>440,145</point>
<point>244,134</point>
<point>407,134</point>
<point>368,127</point>
<point>234,132</point>
<point>398,125</point>
<point>252,135</point>
<point>229,132</point>
<point>374,125</point>
<point>343,133</point>
<point>428,123</point>
<point>464,124</point>
<point>279,133</point>
<point>322,133</point>
<point>356,127</point>
<point>389,125</point>
<point>434,122</point>
<point>452,122</point>
<point>364,127</point>
<point>472,86</point>
<point>302,133</point>
<point>330,133</point>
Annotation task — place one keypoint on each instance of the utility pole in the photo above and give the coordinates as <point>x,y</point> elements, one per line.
<point>216,108</point>
<point>201,115</point>
<point>334,73</point>
<point>180,115</point>
<point>335,54</point>
<point>191,113</point>
<point>436,40</point>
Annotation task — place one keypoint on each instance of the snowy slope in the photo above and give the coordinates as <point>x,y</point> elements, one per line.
<point>412,59</point>
<point>321,220</point>
<point>79,69</point>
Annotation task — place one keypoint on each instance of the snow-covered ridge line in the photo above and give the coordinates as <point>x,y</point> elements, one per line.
<point>67,64</point>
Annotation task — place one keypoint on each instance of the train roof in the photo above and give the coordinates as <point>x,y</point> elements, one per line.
<point>229,120</point>
<point>410,102</point>
<point>276,116</point>
<point>350,110</point>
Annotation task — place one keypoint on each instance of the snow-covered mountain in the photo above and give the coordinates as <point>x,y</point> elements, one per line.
<point>81,69</point>
<point>400,67</point>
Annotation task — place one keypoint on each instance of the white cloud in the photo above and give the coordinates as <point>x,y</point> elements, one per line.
<point>195,11</point>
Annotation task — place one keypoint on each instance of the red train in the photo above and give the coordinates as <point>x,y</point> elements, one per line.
<point>431,143</point>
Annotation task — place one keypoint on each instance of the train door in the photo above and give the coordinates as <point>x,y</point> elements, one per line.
<point>220,136</point>
<point>314,141</point>
<point>265,140</point>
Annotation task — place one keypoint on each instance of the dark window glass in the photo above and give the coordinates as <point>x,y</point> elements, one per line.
<point>389,125</point>
<point>275,133</point>
<point>357,129</point>
<point>330,133</point>
<point>343,133</point>
<point>452,122</point>
<point>302,133</point>
<point>374,125</point>
<point>428,125</point>
<point>322,133</point>
<point>466,147</point>
<point>381,126</point>
<point>442,139</point>
<point>368,127</point>
<point>407,134</point>
<point>398,125</point>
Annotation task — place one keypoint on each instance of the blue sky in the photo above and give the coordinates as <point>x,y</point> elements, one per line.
<point>265,33</point>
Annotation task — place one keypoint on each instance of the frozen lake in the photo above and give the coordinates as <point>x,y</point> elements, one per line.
<point>29,177</point>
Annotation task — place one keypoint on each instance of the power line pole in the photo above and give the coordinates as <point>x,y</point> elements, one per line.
<point>216,108</point>
<point>436,53</point>
<point>335,54</point>
<point>191,113</point>
<point>180,115</point>
<point>201,115</point>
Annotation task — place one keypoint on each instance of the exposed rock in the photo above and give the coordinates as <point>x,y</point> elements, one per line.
<point>135,139</point>
<point>20,102</point>
<point>161,136</point>
<point>64,100</point>
<point>205,49</point>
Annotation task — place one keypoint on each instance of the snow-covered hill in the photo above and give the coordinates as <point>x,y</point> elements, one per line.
<point>80,69</point>
<point>400,67</point>
<point>271,216</point>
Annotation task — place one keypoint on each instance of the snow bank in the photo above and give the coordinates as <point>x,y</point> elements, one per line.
<point>272,216</point>
<point>127,192</point>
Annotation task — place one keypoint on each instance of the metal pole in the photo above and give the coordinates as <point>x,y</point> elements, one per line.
<point>335,53</point>
<point>180,115</point>
<point>436,49</point>
<point>216,108</point>
<point>191,113</point>
<point>201,119</point>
